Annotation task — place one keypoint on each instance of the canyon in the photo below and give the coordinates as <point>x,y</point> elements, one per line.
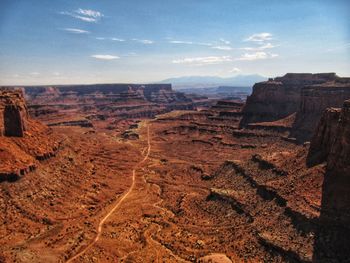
<point>142,173</point>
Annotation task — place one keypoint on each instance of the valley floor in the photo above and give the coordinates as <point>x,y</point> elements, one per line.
<point>190,189</point>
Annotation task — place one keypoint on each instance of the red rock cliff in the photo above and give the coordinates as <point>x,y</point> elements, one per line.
<point>23,142</point>
<point>332,139</point>
<point>277,98</point>
<point>13,113</point>
<point>331,143</point>
<point>313,102</point>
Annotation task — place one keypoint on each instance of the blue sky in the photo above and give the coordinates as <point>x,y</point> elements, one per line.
<point>94,41</point>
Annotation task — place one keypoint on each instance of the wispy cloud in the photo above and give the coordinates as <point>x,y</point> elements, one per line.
<point>111,38</point>
<point>259,48</point>
<point>226,42</point>
<point>89,13</point>
<point>105,57</point>
<point>200,61</point>
<point>86,15</point>
<point>260,37</point>
<point>204,44</point>
<point>235,70</point>
<point>181,42</point>
<point>227,48</point>
<point>189,43</point>
<point>76,31</point>
<point>143,41</point>
<point>117,39</point>
<point>256,56</point>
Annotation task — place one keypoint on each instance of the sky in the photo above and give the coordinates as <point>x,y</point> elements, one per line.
<point>140,41</point>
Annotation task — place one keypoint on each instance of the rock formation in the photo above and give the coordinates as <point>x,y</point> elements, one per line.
<point>324,136</point>
<point>61,105</point>
<point>277,98</point>
<point>297,98</point>
<point>13,113</point>
<point>22,141</point>
<point>156,93</point>
<point>313,102</point>
<point>331,143</point>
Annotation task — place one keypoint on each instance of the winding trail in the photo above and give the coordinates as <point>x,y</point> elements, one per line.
<point>117,204</point>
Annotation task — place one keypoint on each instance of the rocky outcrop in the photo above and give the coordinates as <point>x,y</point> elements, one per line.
<point>61,104</point>
<point>324,136</point>
<point>99,93</point>
<point>331,142</point>
<point>278,98</point>
<point>13,113</point>
<point>314,101</point>
<point>22,141</point>
<point>339,158</point>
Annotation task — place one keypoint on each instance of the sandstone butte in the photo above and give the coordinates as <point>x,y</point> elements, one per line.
<point>142,173</point>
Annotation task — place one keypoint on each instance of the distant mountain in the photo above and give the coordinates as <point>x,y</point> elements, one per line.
<point>213,81</point>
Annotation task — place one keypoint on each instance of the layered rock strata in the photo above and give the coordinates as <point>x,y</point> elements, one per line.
<point>13,113</point>
<point>315,100</point>
<point>331,143</point>
<point>277,98</point>
<point>22,141</point>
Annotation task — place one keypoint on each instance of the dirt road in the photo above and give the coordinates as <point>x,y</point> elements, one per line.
<point>118,203</point>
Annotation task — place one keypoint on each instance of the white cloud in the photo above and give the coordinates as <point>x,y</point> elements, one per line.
<point>105,57</point>
<point>180,42</point>
<point>76,31</point>
<point>226,42</point>
<point>86,15</point>
<point>200,61</point>
<point>189,43</point>
<point>56,74</point>
<point>223,47</point>
<point>259,37</point>
<point>143,41</point>
<point>89,13</point>
<point>204,44</point>
<point>235,70</point>
<point>86,19</point>
<point>256,56</point>
<point>110,38</point>
<point>259,48</point>
<point>117,39</point>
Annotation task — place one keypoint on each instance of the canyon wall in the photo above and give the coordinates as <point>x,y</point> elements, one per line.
<point>111,100</point>
<point>314,100</point>
<point>331,143</point>
<point>324,136</point>
<point>23,142</point>
<point>301,95</point>
<point>158,93</point>
<point>277,98</point>
<point>13,113</point>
